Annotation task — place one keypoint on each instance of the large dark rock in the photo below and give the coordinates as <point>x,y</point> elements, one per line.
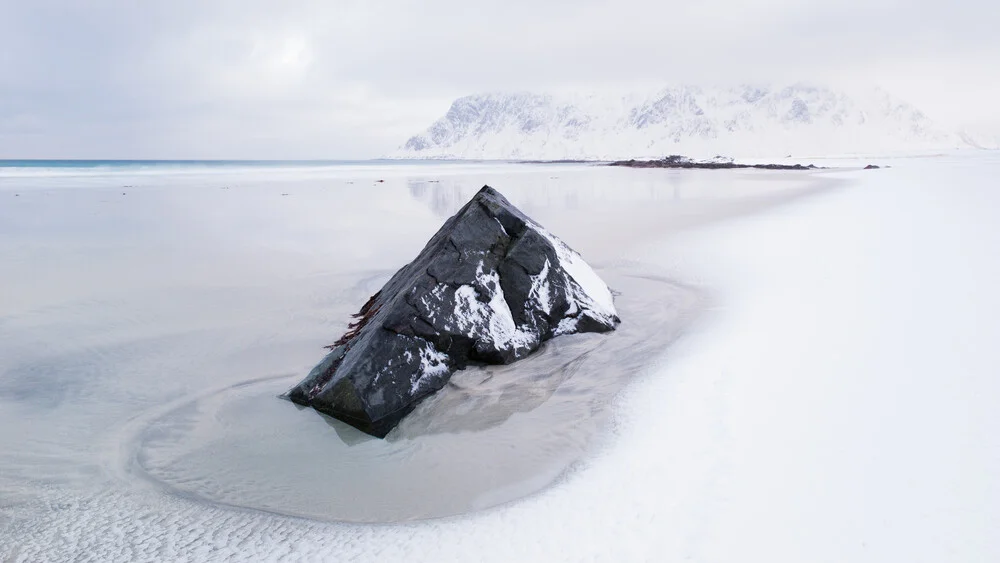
<point>489,288</point>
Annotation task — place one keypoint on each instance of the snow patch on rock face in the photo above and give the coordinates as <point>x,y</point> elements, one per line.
<point>431,300</point>
<point>469,312</point>
<point>503,330</point>
<point>541,292</point>
<point>481,310</point>
<point>590,288</point>
<point>494,313</point>
<point>432,364</point>
<point>566,326</point>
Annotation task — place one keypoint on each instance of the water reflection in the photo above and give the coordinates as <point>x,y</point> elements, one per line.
<point>587,189</point>
<point>137,322</point>
<point>491,435</point>
<point>444,198</point>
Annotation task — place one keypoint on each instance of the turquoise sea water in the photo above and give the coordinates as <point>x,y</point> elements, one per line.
<point>135,165</point>
<point>42,163</point>
<point>25,173</point>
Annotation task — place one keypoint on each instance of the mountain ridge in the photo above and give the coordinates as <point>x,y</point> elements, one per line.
<point>744,120</point>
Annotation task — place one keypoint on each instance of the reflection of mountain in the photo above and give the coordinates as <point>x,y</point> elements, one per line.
<point>444,198</point>
<point>535,193</point>
<point>741,121</point>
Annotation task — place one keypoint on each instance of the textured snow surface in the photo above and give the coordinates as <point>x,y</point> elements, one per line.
<point>838,405</point>
<point>744,121</point>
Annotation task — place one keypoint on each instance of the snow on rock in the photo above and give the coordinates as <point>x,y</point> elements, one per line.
<point>540,290</point>
<point>745,120</point>
<point>489,287</point>
<point>432,364</point>
<point>594,292</point>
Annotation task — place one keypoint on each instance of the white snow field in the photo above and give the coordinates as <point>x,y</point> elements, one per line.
<point>836,402</point>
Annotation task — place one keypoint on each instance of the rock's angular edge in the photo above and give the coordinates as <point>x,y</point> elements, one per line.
<point>489,287</point>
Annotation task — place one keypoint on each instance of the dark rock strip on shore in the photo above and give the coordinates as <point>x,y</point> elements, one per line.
<point>677,161</point>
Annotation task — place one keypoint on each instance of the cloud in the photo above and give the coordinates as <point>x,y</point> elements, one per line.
<point>353,79</point>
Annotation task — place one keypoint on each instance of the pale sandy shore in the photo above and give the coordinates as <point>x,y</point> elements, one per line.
<point>151,327</point>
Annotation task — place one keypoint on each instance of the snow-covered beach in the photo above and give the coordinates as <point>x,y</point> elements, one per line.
<point>833,399</point>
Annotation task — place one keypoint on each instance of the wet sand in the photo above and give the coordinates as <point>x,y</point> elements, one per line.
<point>149,334</point>
<point>493,435</point>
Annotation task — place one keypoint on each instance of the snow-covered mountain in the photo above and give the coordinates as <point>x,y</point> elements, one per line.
<point>983,135</point>
<point>742,121</point>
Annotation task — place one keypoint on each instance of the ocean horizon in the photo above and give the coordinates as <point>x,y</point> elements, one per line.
<point>96,163</point>
<point>23,169</point>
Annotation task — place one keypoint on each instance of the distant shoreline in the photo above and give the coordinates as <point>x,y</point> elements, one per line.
<point>681,162</point>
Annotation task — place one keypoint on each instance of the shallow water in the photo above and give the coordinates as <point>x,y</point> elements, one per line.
<point>150,318</point>
<point>493,435</point>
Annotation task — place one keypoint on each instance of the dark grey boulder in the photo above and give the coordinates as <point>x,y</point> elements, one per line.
<point>490,286</point>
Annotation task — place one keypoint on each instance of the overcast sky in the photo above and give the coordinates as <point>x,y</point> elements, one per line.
<point>354,79</point>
